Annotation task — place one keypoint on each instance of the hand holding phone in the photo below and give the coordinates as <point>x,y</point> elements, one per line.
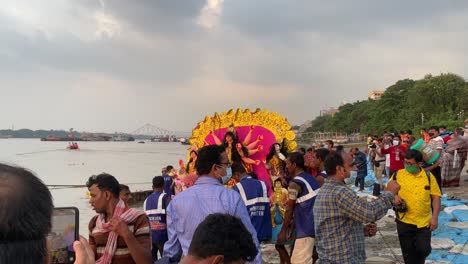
<point>64,233</point>
<point>84,253</point>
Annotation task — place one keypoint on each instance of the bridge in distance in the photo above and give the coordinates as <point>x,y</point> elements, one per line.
<point>159,134</point>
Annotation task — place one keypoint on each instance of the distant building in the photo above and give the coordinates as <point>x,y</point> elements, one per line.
<point>330,111</point>
<point>375,95</point>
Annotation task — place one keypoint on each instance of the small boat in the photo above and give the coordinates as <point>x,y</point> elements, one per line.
<point>73,146</point>
<point>141,142</point>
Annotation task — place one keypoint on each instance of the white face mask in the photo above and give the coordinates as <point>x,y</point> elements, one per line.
<point>396,142</point>
<point>325,146</point>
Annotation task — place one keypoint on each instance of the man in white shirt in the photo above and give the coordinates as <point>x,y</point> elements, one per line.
<point>437,143</point>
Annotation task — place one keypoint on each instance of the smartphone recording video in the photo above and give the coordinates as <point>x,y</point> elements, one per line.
<point>64,232</point>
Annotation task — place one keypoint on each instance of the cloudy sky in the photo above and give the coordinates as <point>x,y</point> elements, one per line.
<point>114,65</point>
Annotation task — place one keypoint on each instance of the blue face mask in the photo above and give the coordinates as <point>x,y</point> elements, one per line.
<point>225,179</point>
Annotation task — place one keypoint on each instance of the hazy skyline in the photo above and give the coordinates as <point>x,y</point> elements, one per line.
<point>117,65</point>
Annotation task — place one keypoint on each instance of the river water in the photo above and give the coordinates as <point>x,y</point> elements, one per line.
<point>131,163</point>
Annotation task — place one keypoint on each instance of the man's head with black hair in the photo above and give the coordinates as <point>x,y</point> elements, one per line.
<point>458,131</point>
<point>301,150</point>
<point>339,165</point>
<point>158,183</point>
<point>237,171</point>
<point>253,175</point>
<point>104,190</point>
<point>354,150</point>
<point>339,148</point>
<point>169,169</point>
<point>125,194</point>
<point>295,163</point>
<point>433,131</point>
<point>221,238</point>
<point>25,216</point>
<point>319,157</point>
<point>212,161</point>
<point>414,154</point>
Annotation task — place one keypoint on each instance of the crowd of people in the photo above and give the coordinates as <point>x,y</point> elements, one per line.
<point>444,153</point>
<point>214,210</point>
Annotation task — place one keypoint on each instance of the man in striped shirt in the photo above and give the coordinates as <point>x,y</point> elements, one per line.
<point>133,241</point>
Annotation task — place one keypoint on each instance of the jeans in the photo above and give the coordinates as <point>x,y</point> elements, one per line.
<point>415,242</point>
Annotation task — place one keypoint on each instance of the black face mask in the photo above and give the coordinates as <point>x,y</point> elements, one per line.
<point>431,134</point>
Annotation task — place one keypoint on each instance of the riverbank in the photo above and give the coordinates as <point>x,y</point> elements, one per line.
<point>449,241</point>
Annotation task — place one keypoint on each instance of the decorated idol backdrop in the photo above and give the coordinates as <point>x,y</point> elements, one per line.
<point>247,136</point>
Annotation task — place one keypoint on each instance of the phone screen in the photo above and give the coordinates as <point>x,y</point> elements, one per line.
<point>64,232</point>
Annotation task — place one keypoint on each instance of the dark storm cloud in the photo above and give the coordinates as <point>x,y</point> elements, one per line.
<point>353,19</point>
<point>174,18</point>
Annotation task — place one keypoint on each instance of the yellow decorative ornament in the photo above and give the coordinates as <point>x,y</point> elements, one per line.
<point>271,121</point>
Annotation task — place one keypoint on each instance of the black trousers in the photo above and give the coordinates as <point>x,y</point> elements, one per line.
<point>155,249</point>
<point>438,176</point>
<point>415,242</point>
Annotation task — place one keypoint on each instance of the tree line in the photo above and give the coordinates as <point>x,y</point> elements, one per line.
<point>407,104</point>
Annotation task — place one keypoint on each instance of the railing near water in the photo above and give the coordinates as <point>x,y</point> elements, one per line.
<point>138,196</point>
<point>339,138</point>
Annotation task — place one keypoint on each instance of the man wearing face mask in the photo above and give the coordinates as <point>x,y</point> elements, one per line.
<point>397,153</point>
<point>329,145</point>
<point>205,197</point>
<point>418,190</point>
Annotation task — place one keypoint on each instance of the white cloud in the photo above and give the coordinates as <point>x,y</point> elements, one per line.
<point>107,26</point>
<point>210,15</point>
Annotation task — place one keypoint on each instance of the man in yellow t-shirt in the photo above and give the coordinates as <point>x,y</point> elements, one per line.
<point>418,191</point>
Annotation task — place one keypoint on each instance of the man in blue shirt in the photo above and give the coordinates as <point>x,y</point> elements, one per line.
<point>302,191</point>
<point>207,196</point>
<point>168,181</point>
<point>254,193</point>
<point>360,161</point>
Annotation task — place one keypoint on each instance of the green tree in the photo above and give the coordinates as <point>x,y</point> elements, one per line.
<point>442,99</point>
